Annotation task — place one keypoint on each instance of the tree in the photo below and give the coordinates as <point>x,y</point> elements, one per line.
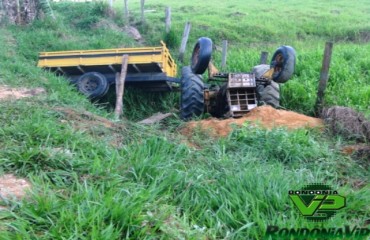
<point>24,11</point>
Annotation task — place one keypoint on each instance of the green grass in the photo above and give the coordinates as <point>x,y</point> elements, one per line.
<point>153,185</point>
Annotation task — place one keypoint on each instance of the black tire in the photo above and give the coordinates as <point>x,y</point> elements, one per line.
<point>283,62</point>
<point>270,95</point>
<point>192,94</point>
<point>93,84</point>
<point>201,56</point>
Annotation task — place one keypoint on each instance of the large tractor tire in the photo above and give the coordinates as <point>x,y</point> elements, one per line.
<point>201,56</point>
<point>283,62</point>
<point>192,94</point>
<point>93,84</point>
<point>270,95</point>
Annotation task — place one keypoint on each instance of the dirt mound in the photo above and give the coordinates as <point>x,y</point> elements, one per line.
<point>265,116</point>
<point>347,122</point>
<point>13,187</point>
<point>8,93</point>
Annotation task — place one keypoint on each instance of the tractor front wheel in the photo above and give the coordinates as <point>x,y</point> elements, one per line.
<point>283,62</point>
<point>201,55</point>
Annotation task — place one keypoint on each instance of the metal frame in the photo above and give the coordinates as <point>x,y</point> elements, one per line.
<point>241,93</point>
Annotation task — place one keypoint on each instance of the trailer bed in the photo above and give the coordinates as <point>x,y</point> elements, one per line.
<point>148,67</point>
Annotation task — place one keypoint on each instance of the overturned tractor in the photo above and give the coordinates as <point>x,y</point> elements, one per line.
<point>240,92</point>
<point>153,69</point>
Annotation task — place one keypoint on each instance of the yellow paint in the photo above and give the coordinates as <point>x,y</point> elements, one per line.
<point>163,59</point>
<point>268,74</point>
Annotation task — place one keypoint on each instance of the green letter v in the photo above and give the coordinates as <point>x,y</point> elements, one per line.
<point>310,209</point>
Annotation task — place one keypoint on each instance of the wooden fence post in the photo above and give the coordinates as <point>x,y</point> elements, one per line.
<point>184,41</point>
<point>324,77</point>
<point>120,87</point>
<point>263,58</point>
<point>142,11</point>
<point>168,19</point>
<point>126,13</point>
<point>224,53</point>
<point>18,9</point>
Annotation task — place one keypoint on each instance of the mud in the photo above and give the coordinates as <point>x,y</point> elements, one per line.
<point>265,117</point>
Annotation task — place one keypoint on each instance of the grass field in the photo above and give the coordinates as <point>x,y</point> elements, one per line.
<point>140,182</point>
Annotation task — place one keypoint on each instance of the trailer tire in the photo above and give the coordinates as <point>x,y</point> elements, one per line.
<point>192,94</point>
<point>201,55</point>
<point>283,61</point>
<point>93,84</point>
<point>270,95</point>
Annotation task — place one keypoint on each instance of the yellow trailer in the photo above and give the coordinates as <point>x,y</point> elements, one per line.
<point>93,71</point>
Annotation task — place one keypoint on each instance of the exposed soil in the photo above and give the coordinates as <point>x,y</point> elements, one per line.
<point>9,93</point>
<point>265,116</point>
<point>13,187</point>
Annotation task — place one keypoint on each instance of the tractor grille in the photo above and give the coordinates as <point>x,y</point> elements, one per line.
<point>241,93</point>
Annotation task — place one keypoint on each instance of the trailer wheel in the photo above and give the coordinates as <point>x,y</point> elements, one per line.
<point>201,56</point>
<point>283,62</point>
<point>192,94</point>
<point>93,84</point>
<point>270,95</point>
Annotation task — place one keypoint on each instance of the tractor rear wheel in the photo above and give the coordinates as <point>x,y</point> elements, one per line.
<point>192,94</point>
<point>270,95</point>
